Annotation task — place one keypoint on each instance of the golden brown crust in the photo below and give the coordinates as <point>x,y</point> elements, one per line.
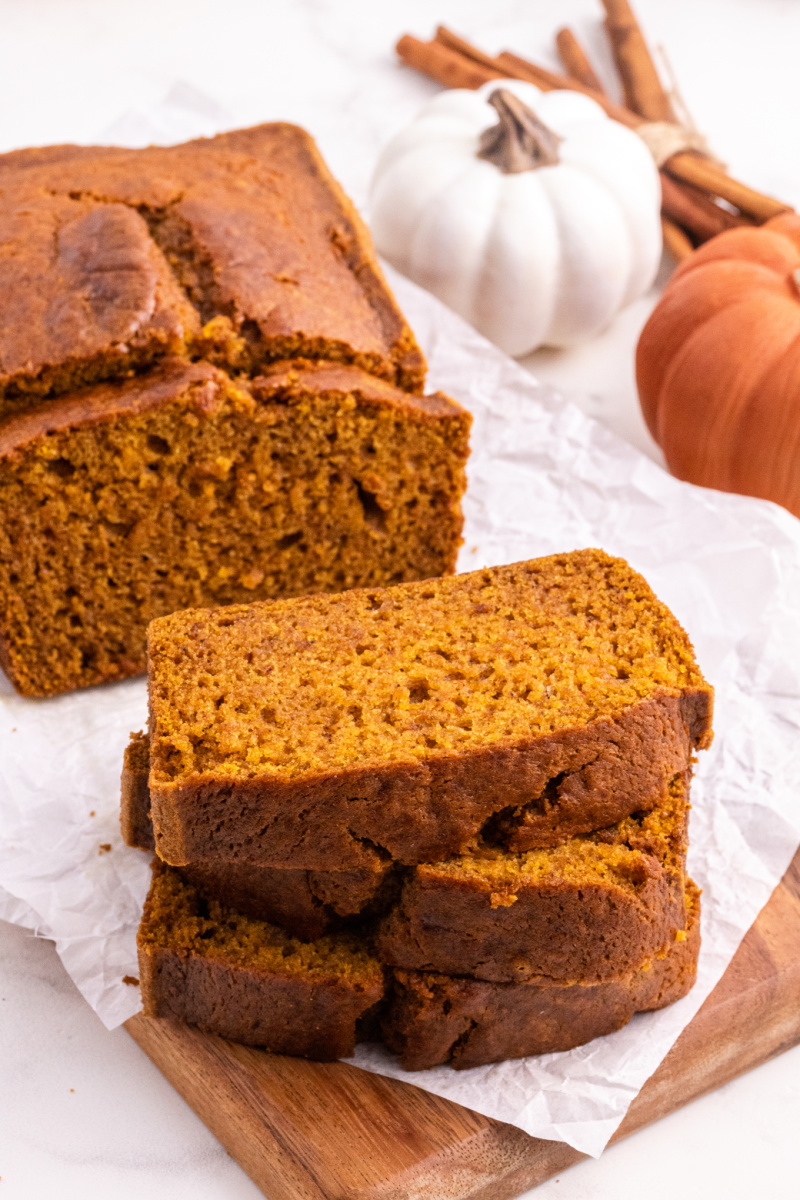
<point>428,811</point>
<point>434,1019</point>
<point>94,296</point>
<point>355,242</point>
<point>29,157</point>
<point>285,1015</point>
<point>247,231</point>
<point>135,823</point>
<point>286,377</point>
<point>307,904</point>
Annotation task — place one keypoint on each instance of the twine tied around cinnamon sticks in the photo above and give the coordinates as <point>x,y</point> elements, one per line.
<point>699,198</point>
<point>664,138</point>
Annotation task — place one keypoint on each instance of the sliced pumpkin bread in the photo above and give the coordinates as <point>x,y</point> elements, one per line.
<point>524,704</point>
<point>205,964</point>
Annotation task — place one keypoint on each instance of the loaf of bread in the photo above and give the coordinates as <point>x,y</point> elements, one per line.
<point>241,248</point>
<point>249,981</point>
<point>180,487</point>
<point>595,907</point>
<point>207,395</point>
<point>435,1019</point>
<point>520,704</point>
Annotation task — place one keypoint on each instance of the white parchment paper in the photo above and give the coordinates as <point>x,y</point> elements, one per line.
<point>543,477</point>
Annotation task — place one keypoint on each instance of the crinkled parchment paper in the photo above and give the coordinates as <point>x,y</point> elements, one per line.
<point>543,477</point>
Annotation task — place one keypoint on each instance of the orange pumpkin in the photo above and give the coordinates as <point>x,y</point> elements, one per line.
<point>718,364</point>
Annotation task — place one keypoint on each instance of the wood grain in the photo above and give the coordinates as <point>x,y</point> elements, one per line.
<point>327,1131</point>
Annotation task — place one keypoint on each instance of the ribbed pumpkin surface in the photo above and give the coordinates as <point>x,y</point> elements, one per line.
<point>718,364</point>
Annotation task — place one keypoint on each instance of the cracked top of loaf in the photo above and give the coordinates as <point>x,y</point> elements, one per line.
<point>241,249</point>
<point>294,689</point>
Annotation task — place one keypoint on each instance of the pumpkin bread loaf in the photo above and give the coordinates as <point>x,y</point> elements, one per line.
<point>305,903</point>
<point>523,704</point>
<point>179,488</point>
<point>433,1019</point>
<point>591,909</point>
<point>134,272</point>
<point>247,980</point>
<point>240,248</point>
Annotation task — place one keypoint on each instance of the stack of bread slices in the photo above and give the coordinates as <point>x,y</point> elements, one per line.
<point>451,815</point>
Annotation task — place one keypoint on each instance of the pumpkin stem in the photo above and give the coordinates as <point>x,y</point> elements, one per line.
<point>521,142</point>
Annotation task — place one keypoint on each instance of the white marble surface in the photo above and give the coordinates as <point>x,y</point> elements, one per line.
<point>82,1113</point>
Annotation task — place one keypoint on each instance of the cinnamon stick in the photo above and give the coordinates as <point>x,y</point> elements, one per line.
<point>645,95</point>
<point>725,218</point>
<point>446,37</point>
<point>511,66</point>
<point>644,92</point>
<point>704,221</point>
<point>575,62</point>
<point>711,178</point>
<point>675,240</point>
<point>446,66</point>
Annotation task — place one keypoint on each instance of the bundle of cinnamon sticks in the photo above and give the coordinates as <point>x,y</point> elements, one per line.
<point>699,198</point>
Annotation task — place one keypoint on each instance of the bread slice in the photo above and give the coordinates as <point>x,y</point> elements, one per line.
<point>588,910</point>
<point>178,487</point>
<point>249,981</point>
<point>241,248</point>
<point>521,704</point>
<point>435,1019</point>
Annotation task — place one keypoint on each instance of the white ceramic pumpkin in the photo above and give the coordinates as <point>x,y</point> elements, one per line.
<point>533,251</point>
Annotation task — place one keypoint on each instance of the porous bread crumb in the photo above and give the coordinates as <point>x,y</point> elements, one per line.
<point>179,917</point>
<point>182,489</point>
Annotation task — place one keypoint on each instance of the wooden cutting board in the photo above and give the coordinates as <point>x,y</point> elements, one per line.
<point>327,1131</point>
